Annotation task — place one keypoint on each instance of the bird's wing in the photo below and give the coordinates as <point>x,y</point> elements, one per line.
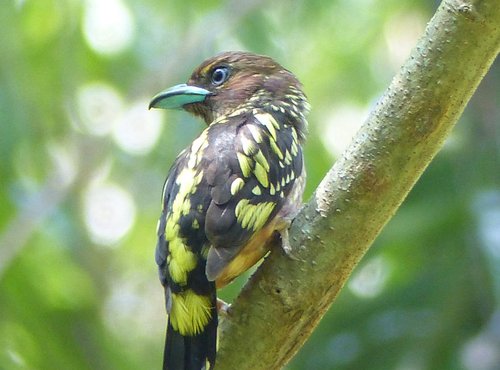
<point>251,175</point>
<point>161,246</point>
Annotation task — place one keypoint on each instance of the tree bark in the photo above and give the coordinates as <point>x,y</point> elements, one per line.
<point>285,299</point>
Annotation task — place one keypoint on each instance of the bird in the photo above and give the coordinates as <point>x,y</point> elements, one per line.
<point>237,186</point>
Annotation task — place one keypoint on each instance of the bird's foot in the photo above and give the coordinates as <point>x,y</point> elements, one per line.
<point>223,308</point>
<point>285,245</point>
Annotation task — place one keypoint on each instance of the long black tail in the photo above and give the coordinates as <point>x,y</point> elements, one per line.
<point>196,352</point>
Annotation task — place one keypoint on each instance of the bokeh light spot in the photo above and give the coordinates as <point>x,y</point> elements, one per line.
<point>138,130</point>
<point>64,160</point>
<point>124,309</point>
<point>99,106</point>
<point>109,213</point>
<point>401,33</point>
<point>341,126</point>
<point>481,353</point>
<point>108,26</point>
<point>370,280</point>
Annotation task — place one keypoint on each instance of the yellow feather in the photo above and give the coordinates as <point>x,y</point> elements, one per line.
<point>276,149</point>
<point>204,251</point>
<point>186,206</point>
<point>294,148</point>
<point>259,157</point>
<point>255,133</point>
<point>274,122</point>
<point>172,229</point>
<point>248,216</point>
<point>266,119</point>
<point>253,216</point>
<point>294,134</point>
<point>261,175</point>
<point>239,207</point>
<point>236,185</point>
<point>272,191</point>
<point>256,190</point>
<point>185,180</point>
<point>263,212</point>
<point>288,157</point>
<point>197,147</point>
<point>249,147</point>
<point>190,312</point>
<point>245,164</point>
<point>182,261</point>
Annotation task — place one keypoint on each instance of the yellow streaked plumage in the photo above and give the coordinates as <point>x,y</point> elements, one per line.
<point>265,119</point>
<point>190,312</point>
<point>261,175</point>
<point>259,157</point>
<point>294,134</point>
<point>186,207</point>
<point>197,148</point>
<point>253,216</point>
<point>182,261</point>
<point>257,136</point>
<point>275,149</point>
<point>288,157</point>
<point>249,147</point>
<point>171,229</point>
<point>294,148</point>
<point>236,185</point>
<point>245,164</point>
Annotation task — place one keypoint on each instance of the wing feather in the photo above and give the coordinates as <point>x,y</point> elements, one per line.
<point>251,174</point>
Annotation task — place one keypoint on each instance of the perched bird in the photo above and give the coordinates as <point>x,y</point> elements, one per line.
<point>239,182</point>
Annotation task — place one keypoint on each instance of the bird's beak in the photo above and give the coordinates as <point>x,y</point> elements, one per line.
<point>177,96</point>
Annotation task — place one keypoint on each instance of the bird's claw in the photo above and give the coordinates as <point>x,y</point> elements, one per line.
<point>285,245</point>
<point>223,308</point>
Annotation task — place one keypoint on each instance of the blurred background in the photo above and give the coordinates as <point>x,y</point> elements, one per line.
<point>83,163</point>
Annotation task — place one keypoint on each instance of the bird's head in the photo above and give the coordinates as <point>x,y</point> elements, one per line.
<point>236,80</point>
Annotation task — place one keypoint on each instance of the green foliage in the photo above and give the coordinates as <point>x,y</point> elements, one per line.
<point>84,162</point>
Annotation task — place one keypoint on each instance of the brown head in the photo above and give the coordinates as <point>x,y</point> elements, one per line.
<point>236,80</point>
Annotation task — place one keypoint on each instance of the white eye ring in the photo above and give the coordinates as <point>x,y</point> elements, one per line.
<point>220,75</point>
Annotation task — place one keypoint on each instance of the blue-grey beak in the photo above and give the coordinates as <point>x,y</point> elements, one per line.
<point>177,96</point>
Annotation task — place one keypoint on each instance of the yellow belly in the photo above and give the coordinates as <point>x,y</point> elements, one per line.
<point>250,254</point>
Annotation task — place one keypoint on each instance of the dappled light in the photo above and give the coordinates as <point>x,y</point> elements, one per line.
<point>370,280</point>
<point>109,213</point>
<point>138,130</point>
<point>341,125</point>
<point>108,26</point>
<point>99,106</point>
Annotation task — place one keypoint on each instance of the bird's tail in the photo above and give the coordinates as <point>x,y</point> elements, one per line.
<point>191,333</point>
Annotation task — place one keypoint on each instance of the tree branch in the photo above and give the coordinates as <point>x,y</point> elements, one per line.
<point>286,298</point>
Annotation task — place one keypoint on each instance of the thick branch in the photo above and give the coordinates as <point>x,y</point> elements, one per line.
<point>284,301</point>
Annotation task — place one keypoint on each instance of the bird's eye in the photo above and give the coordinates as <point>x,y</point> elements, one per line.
<point>220,75</point>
